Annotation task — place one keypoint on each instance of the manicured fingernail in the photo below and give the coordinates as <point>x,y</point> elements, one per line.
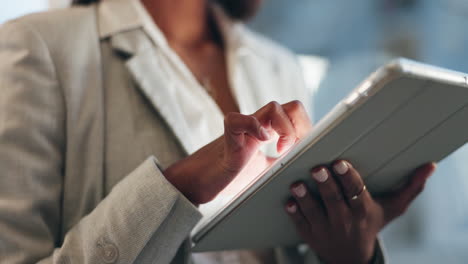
<point>432,170</point>
<point>291,208</point>
<point>320,175</point>
<point>264,134</point>
<point>341,167</point>
<point>299,190</point>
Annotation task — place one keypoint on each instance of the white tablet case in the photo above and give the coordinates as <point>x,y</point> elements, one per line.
<point>404,115</point>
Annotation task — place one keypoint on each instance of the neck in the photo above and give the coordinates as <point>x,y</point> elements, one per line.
<point>184,22</point>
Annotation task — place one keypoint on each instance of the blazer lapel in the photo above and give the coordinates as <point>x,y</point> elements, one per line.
<point>119,22</point>
<point>144,65</point>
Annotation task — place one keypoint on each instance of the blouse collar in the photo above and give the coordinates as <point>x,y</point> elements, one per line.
<point>117,16</point>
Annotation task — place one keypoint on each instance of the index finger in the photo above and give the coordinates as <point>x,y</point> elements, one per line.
<point>273,115</point>
<point>300,119</point>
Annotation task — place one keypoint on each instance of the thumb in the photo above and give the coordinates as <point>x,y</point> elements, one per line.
<point>395,204</point>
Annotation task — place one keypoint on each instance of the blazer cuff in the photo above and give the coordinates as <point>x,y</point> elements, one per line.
<point>144,217</point>
<point>177,223</point>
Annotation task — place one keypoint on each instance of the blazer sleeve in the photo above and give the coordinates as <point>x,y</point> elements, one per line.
<point>144,215</point>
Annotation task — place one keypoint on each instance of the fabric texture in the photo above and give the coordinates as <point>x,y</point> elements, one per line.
<point>88,122</point>
<point>54,207</point>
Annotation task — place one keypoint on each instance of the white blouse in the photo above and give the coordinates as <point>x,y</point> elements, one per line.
<point>252,87</point>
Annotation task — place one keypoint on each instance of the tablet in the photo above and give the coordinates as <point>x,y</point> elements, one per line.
<point>404,115</point>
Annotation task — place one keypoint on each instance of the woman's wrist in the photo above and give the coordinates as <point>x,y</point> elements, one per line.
<point>202,175</point>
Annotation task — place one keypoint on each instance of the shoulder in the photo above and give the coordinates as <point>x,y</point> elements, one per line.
<point>57,18</point>
<point>57,44</point>
<point>53,28</point>
<point>64,39</point>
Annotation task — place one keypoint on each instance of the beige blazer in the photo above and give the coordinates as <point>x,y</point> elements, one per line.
<point>87,122</point>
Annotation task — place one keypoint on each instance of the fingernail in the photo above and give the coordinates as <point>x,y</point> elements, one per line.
<point>433,169</point>
<point>264,133</point>
<point>341,167</point>
<point>299,190</point>
<point>291,208</point>
<point>320,175</point>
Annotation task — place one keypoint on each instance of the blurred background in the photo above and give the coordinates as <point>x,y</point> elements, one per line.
<point>347,40</point>
<point>355,37</point>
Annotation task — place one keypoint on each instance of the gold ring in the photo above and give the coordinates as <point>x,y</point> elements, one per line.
<point>359,193</point>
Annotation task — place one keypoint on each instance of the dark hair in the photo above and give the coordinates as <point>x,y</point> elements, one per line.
<point>237,9</point>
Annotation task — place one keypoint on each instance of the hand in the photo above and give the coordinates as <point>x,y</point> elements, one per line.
<point>342,226</point>
<point>202,175</point>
